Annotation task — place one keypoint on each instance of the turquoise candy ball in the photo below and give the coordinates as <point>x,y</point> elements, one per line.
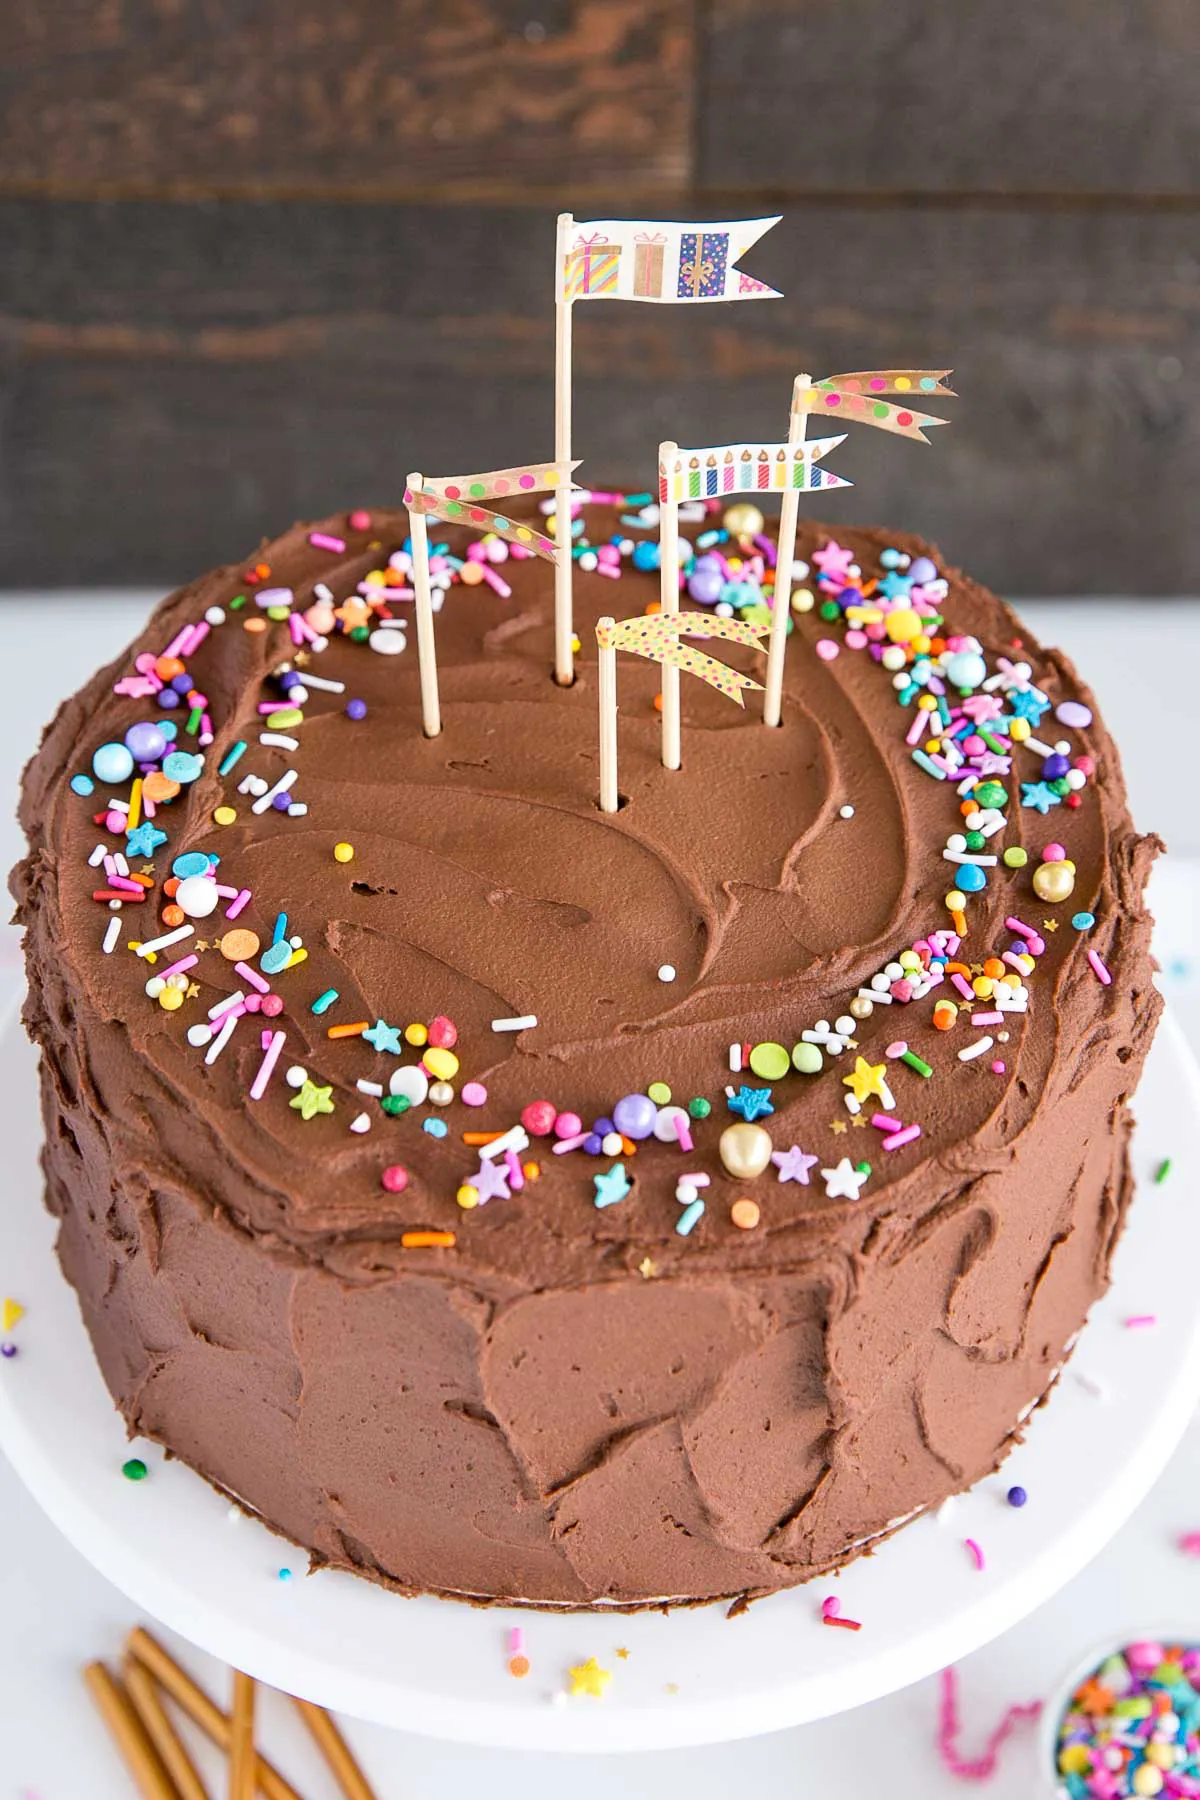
<point>112,763</point>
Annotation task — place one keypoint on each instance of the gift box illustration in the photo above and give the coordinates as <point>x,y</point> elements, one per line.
<point>703,258</point>
<point>591,268</point>
<point>649,258</point>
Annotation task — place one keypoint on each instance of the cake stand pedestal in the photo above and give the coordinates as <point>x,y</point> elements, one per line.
<point>690,1677</point>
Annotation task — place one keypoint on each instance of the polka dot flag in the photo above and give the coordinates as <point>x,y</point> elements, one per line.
<point>657,636</point>
<point>457,500</point>
<point>857,399</point>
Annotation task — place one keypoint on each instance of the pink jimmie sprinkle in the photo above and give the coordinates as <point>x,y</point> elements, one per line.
<point>1139,1320</point>
<point>987,1018</point>
<point>516,1174</point>
<point>886,1122</point>
<point>516,1641</point>
<point>982,1767</point>
<point>975,1553</point>
<point>900,1138</point>
<point>683,1136</point>
<point>267,1065</point>
<point>1189,1543</point>
<point>570,1143</point>
<point>177,968</point>
<point>253,977</point>
<point>236,906</point>
<point>1099,969</point>
<point>321,540</point>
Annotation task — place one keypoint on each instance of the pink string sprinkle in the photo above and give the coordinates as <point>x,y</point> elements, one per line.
<point>1140,1319</point>
<point>1099,968</point>
<point>975,1553</point>
<point>982,1767</point>
<point>267,1065</point>
<point>253,977</point>
<point>236,906</point>
<point>516,1641</point>
<point>902,1137</point>
<point>177,968</point>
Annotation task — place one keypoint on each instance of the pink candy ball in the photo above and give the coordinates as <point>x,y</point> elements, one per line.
<point>443,1032</point>
<point>974,746</point>
<point>856,640</point>
<point>115,822</point>
<point>538,1117</point>
<point>1054,853</point>
<point>827,649</point>
<point>253,1002</point>
<point>568,1125</point>
<point>394,1178</point>
<point>360,520</point>
<point>473,1093</point>
<point>272,1005</point>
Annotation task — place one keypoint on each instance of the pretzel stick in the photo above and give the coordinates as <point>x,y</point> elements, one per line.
<point>242,1760</point>
<point>200,1709</point>
<point>144,1698</point>
<point>139,1755</point>
<point>335,1750</point>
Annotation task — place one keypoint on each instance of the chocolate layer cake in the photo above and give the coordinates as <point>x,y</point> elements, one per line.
<point>779,1213</point>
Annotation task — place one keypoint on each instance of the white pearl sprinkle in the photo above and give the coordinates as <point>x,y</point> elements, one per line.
<point>667,972</point>
<point>296,1076</point>
<point>845,812</point>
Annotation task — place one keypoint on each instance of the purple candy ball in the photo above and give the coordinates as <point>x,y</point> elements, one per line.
<point>705,585</point>
<point>168,699</point>
<point>634,1115</point>
<point>281,802</point>
<point>183,684</point>
<point>921,570</point>
<point>1055,767</point>
<point>602,1127</point>
<point>593,1144</point>
<point>356,709</point>
<point>145,742</point>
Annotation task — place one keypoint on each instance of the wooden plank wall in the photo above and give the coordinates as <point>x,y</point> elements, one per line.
<point>260,256</point>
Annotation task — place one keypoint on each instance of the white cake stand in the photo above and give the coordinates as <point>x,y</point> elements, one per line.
<point>691,1677</point>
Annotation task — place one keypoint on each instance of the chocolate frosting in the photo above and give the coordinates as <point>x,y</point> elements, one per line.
<point>576,1406</point>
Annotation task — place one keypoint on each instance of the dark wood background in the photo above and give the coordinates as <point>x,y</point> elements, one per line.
<point>260,256</point>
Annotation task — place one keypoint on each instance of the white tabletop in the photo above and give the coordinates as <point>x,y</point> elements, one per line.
<point>55,1613</point>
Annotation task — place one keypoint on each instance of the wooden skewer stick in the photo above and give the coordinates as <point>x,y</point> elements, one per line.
<point>610,798</point>
<point>242,1770</point>
<point>203,1711</point>
<point>668,537</point>
<point>564,627</point>
<point>431,712</point>
<point>138,1752</point>
<point>781,603</point>
<point>147,1704</point>
<point>335,1750</point>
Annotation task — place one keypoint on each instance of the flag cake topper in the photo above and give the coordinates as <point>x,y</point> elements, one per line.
<point>747,469</point>
<point>853,399</point>
<point>456,499</point>
<point>662,261</point>
<point>658,636</point>
<point>856,397</point>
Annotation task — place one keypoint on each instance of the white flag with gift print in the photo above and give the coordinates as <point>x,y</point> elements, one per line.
<point>660,260</point>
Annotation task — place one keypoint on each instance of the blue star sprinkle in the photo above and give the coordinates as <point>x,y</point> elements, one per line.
<point>752,1103</point>
<point>895,586</point>
<point>1040,795</point>
<point>144,839</point>
<point>611,1185</point>
<point>1028,703</point>
<point>385,1037</point>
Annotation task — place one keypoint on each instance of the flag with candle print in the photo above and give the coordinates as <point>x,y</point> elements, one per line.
<point>857,398</point>
<point>664,261</point>
<point>657,636</point>
<point>456,499</point>
<point>749,469</point>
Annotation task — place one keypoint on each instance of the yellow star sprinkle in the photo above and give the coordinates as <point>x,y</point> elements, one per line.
<point>866,1080</point>
<point>12,1314</point>
<point>624,1655</point>
<point>590,1678</point>
<point>1050,924</point>
<point>858,1123</point>
<point>646,1268</point>
<point>838,1125</point>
